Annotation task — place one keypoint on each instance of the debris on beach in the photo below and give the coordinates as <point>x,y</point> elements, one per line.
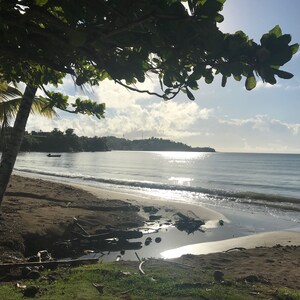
<point>31,291</point>
<point>148,241</point>
<point>188,224</point>
<point>150,209</point>
<point>99,287</point>
<point>154,217</point>
<point>108,239</point>
<point>218,276</point>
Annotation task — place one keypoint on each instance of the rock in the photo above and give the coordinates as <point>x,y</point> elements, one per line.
<point>251,278</point>
<point>254,279</point>
<point>51,278</point>
<point>157,240</point>
<point>150,209</point>
<point>34,274</point>
<point>154,217</point>
<point>31,291</point>
<point>26,271</point>
<point>218,276</point>
<point>148,241</point>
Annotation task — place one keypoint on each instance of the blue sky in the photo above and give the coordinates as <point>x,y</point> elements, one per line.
<point>266,119</point>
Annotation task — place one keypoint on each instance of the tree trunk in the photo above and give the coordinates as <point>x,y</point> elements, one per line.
<point>14,142</point>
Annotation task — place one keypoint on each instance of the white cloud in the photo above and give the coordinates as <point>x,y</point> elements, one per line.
<point>259,122</point>
<point>260,84</point>
<point>129,114</point>
<point>264,123</point>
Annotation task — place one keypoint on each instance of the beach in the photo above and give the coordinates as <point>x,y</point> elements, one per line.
<point>36,213</point>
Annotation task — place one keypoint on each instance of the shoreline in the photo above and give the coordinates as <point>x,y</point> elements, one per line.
<point>37,213</point>
<point>286,236</point>
<point>236,226</point>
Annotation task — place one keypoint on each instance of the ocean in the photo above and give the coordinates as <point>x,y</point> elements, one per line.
<point>246,182</point>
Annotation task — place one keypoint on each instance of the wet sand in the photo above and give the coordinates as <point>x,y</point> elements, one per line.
<point>35,207</point>
<point>36,212</point>
<point>57,203</point>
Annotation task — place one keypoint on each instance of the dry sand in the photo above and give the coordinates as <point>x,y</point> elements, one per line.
<point>266,239</point>
<point>36,212</point>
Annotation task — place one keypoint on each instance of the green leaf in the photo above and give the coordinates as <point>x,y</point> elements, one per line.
<point>219,18</point>
<point>294,48</point>
<point>208,76</point>
<point>167,80</point>
<point>190,95</point>
<point>41,2</point>
<point>250,82</point>
<point>193,84</point>
<point>224,81</point>
<point>283,74</point>
<point>237,77</point>
<point>285,39</point>
<point>77,38</point>
<point>80,80</point>
<point>276,31</point>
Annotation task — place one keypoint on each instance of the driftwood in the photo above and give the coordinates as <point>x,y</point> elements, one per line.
<point>121,234</point>
<point>128,291</point>
<point>188,224</point>
<point>140,267</point>
<point>137,256</point>
<point>235,248</point>
<point>78,225</point>
<point>50,264</point>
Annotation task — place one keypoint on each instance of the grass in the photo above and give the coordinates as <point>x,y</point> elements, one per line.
<point>122,281</point>
<point>287,294</point>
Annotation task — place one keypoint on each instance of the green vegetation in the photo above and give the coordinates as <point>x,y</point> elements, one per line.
<point>152,144</point>
<point>58,141</point>
<point>68,141</point>
<point>163,280</point>
<point>287,294</point>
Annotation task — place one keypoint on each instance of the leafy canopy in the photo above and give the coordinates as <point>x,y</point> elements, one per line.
<point>126,40</point>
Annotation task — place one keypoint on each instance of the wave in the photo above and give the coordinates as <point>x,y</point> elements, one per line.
<point>237,196</point>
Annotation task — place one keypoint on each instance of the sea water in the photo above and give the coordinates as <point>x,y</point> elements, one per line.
<point>256,192</point>
<point>245,182</point>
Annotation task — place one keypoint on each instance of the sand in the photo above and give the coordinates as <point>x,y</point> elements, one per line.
<point>36,212</point>
<point>266,239</point>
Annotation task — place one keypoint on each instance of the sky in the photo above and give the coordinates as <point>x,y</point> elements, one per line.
<point>230,119</point>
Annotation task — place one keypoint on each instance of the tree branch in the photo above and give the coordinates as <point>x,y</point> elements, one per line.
<point>164,96</point>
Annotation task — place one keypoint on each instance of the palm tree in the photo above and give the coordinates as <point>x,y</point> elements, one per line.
<point>10,101</point>
<point>20,108</point>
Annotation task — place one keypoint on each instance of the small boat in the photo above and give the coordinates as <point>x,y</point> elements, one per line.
<point>53,155</point>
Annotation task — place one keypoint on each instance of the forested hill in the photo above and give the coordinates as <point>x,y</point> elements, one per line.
<point>152,144</point>
<point>68,141</point>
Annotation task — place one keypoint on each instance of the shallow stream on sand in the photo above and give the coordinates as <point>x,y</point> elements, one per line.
<point>167,237</point>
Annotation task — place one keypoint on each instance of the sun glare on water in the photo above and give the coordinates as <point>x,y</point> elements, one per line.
<point>184,156</point>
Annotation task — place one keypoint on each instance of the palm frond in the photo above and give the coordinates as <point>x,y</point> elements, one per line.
<point>9,108</point>
<point>7,91</point>
<point>10,101</point>
<point>41,106</point>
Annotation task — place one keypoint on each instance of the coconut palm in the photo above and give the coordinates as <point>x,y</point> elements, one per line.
<point>14,104</point>
<point>10,101</point>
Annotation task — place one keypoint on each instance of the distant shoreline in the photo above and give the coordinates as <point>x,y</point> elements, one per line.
<point>68,141</point>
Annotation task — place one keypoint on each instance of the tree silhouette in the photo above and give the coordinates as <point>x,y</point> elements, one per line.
<point>125,41</point>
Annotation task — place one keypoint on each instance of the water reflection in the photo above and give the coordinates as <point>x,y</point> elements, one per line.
<point>184,181</point>
<point>183,156</point>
